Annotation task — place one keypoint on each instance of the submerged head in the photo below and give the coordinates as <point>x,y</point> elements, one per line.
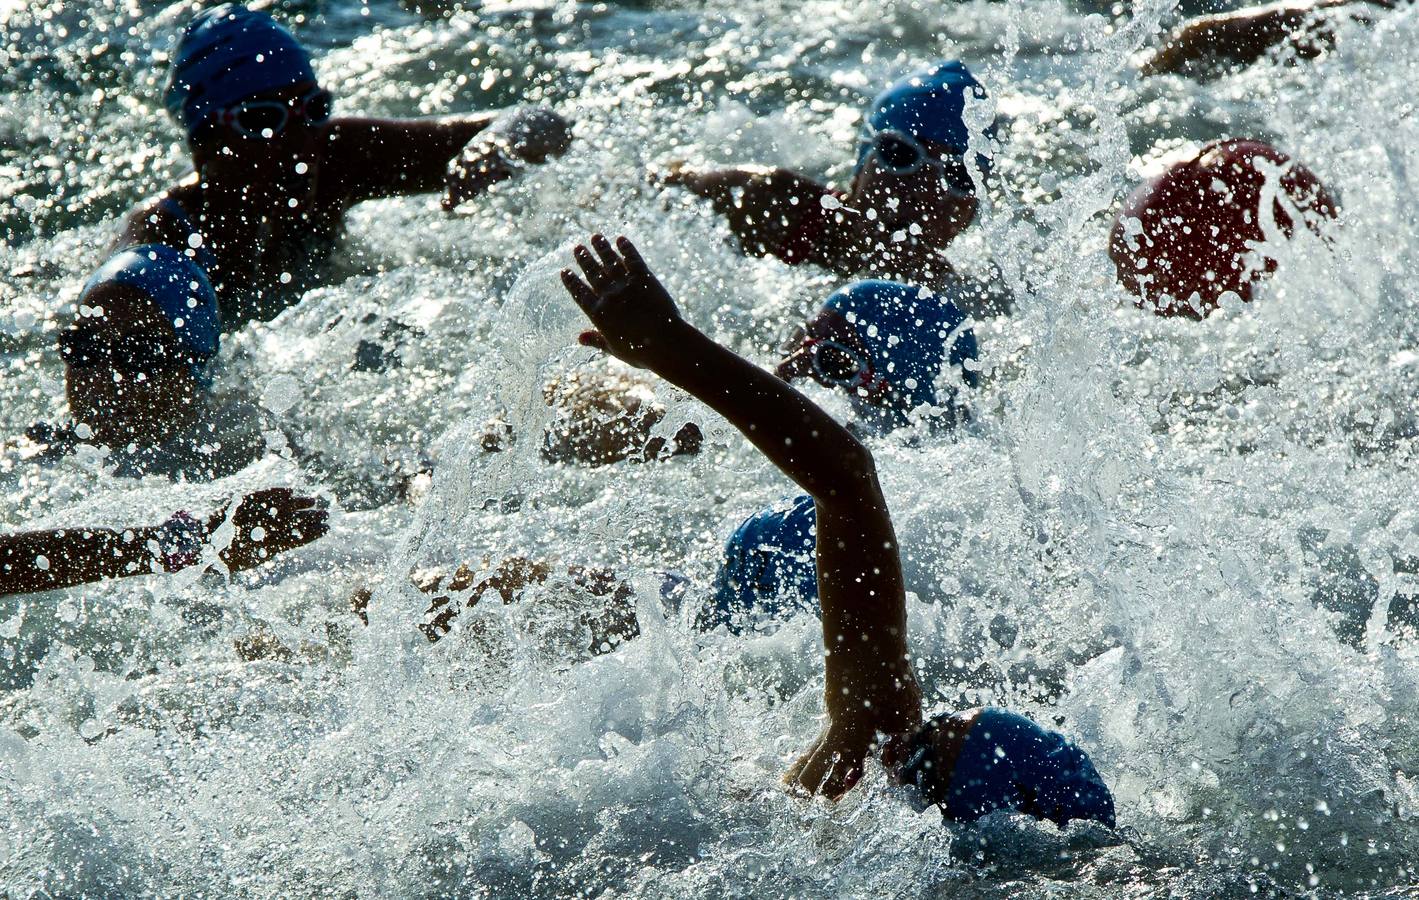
<point>886,343</point>
<point>245,91</point>
<point>912,155</point>
<point>769,567</point>
<point>1199,228</point>
<point>135,361</point>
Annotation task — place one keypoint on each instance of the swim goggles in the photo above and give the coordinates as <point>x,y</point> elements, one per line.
<point>833,363</point>
<point>900,153</point>
<point>264,119</point>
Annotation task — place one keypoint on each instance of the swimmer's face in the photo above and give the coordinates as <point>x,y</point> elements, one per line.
<point>933,198</point>
<point>125,374</point>
<point>272,142</point>
<point>831,351</point>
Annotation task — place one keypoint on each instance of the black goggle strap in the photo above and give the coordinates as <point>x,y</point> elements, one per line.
<point>920,769</point>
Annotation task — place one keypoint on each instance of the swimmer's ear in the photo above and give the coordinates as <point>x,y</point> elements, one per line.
<point>594,339</point>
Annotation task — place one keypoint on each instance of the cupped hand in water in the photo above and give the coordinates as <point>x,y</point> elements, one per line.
<point>634,315</point>
<point>269,522</point>
<point>837,759</point>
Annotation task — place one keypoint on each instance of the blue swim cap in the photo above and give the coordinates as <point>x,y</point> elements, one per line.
<point>179,287</point>
<point>930,105</point>
<point>228,54</point>
<point>905,329</point>
<point>769,567</point>
<point>1009,762</point>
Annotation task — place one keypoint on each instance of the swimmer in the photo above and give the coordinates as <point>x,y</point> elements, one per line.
<point>767,572</point>
<point>1183,239</point>
<point>887,344</point>
<point>970,763</point>
<point>914,189</point>
<point>265,523</point>
<point>1211,44</point>
<point>276,170</point>
<point>137,364</point>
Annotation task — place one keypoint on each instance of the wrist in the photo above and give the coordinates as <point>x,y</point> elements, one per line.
<point>677,346</point>
<point>179,542</point>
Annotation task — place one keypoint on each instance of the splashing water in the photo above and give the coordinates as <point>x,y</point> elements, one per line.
<point>1187,545</point>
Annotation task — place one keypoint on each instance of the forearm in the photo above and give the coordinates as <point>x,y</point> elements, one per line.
<point>49,560</point>
<point>391,157</point>
<point>761,205</point>
<point>860,587</point>
<point>1240,37</point>
<point>811,447</point>
<point>863,602</point>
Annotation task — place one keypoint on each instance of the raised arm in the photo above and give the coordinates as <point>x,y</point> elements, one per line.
<point>870,691</point>
<point>266,523</point>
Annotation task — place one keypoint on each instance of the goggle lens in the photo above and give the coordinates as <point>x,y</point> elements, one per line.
<point>837,364</point>
<point>897,153</point>
<point>256,120</point>
<point>268,118</point>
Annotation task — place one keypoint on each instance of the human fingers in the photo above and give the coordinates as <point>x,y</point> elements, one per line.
<point>635,263</point>
<point>614,266</point>
<point>594,339</point>
<point>268,495</point>
<point>809,773</point>
<point>584,296</point>
<point>310,525</point>
<point>596,275</point>
<point>797,364</point>
<point>839,779</point>
<point>294,503</point>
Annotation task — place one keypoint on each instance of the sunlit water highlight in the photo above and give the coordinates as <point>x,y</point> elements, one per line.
<point>1189,546</point>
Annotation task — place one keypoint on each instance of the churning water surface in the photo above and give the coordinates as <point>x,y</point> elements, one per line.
<point>1190,546</point>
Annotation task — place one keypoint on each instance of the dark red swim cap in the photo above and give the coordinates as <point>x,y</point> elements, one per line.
<point>1200,225</point>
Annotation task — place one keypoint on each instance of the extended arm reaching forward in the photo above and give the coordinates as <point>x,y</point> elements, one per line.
<point>265,523</point>
<point>871,693</point>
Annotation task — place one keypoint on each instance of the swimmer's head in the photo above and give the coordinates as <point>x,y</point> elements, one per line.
<point>244,89</point>
<point>135,361</point>
<point>227,55</point>
<point>1197,230</point>
<point>886,343</point>
<point>768,570</point>
<point>912,153</point>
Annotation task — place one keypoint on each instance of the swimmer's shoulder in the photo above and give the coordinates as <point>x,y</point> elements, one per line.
<point>162,218</point>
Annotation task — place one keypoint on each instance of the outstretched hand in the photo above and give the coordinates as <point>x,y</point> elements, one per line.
<point>517,137</point>
<point>269,522</point>
<point>634,315</point>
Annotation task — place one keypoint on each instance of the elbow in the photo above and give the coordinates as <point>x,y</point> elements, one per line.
<point>858,465</point>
